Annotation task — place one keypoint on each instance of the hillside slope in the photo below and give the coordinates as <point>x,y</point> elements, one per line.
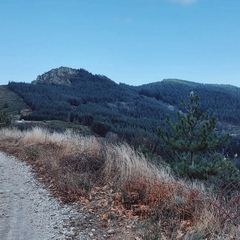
<point>131,112</point>
<point>121,194</point>
<point>222,100</point>
<point>11,102</point>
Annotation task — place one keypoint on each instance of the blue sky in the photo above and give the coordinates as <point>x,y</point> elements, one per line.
<point>129,41</point>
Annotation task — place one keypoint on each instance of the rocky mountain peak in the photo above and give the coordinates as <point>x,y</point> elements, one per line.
<point>61,75</point>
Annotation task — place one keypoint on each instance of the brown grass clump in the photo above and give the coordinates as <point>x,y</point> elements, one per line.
<point>126,184</point>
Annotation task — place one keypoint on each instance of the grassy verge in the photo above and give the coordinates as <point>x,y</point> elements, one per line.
<point>116,183</point>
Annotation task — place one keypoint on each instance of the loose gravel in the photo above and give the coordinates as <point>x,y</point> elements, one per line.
<point>28,211</point>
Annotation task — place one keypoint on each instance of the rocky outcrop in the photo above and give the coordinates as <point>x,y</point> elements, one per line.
<point>61,75</point>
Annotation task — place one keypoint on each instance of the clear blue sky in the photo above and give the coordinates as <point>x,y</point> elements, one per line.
<point>129,41</point>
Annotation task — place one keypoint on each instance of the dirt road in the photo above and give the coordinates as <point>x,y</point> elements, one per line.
<point>27,211</point>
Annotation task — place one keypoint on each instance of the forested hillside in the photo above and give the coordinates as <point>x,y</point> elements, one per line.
<point>129,112</point>
<point>222,100</point>
<point>95,101</point>
<point>10,102</point>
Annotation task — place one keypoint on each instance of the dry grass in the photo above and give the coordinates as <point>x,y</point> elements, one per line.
<point>74,166</point>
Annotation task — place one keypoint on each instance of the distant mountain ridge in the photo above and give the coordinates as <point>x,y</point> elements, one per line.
<point>76,95</point>
<point>162,90</point>
<point>223,100</point>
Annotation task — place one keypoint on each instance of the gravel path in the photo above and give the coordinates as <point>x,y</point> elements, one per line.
<point>27,210</point>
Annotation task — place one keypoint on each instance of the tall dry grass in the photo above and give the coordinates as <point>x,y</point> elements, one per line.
<point>73,165</point>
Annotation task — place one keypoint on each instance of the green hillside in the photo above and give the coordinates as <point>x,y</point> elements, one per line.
<point>11,102</point>
<point>222,100</point>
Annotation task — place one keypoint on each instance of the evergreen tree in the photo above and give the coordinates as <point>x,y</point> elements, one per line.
<point>194,131</point>
<point>5,120</point>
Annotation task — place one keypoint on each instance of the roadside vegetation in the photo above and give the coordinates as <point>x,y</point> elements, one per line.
<point>120,188</point>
